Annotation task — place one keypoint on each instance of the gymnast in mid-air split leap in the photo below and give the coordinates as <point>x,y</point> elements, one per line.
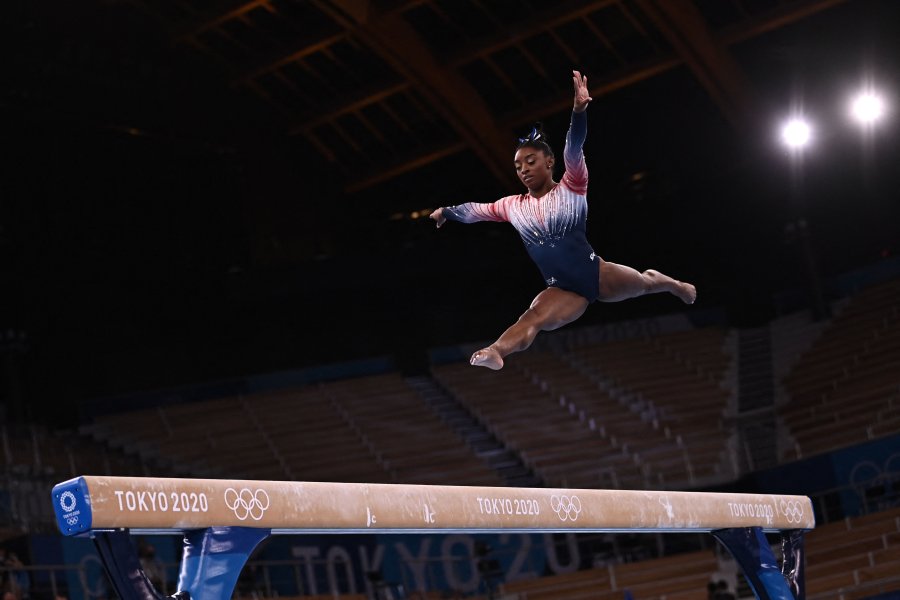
<point>550,219</point>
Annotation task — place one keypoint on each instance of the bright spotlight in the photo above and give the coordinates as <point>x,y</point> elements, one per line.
<point>796,133</point>
<point>867,108</point>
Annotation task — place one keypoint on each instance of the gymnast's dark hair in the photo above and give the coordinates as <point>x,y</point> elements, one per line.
<point>536,139</point>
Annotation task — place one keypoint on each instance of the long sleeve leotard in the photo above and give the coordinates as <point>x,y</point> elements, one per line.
<point>553,226</point>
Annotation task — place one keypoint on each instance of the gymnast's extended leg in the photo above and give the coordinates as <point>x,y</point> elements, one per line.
<point>618,282</point>
<point>550,310</point>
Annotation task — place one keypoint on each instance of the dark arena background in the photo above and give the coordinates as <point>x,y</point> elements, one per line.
<point>217,262</point>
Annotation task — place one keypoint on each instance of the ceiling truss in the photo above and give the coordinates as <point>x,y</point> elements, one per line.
<point>384,87</point>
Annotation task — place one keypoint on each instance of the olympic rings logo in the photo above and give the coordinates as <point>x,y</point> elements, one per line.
<point>246,503</point>
<point>567,508</point>
<point>792,510</point>
<point>67,502</point>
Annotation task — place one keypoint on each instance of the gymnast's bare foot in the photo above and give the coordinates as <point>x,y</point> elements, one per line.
<point>685,291</point>
<point>487,357</point>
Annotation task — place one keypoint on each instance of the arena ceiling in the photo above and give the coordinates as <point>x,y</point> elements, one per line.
<point>384,87</point>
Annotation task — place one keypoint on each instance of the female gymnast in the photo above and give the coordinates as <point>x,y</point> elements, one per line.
<point>550,219</point>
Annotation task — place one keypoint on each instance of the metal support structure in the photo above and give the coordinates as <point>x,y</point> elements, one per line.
<point>753,553</point>
<point>120,559</point>
<point>793,561</point>
<point>213,558</point>
<point>211,563</point>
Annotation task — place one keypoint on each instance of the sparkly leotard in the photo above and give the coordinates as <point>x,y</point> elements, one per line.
<point>552,226</point>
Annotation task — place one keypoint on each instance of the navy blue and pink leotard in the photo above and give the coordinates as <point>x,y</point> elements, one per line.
<point>553,226</point>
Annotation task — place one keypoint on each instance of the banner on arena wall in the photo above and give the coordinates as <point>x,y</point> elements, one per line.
<point>863,474</point>
<point>870,476</point>
<point>341,564</point>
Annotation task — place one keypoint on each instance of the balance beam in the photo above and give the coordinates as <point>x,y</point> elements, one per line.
<point>245,512</point>
<point>174,505</point>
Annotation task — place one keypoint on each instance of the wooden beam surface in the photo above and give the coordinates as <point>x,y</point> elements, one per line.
<point>142,503</point>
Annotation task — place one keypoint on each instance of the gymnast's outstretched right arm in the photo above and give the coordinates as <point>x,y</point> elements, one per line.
<point>472,212</point>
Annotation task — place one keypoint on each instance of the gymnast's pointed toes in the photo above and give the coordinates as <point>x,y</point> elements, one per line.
<point>487,357</point>
<point>688,293</point>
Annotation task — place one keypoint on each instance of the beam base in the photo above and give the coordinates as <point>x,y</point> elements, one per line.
<point>211,562</point>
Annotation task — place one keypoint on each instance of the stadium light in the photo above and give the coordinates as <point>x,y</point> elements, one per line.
<point>796,133</point>
<point>867,107</point>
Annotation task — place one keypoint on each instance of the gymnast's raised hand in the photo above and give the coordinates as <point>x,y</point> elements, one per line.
<point>550,218</point>
<point>582,95</point>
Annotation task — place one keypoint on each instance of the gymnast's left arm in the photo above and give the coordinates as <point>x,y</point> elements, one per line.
<point>576,175</point>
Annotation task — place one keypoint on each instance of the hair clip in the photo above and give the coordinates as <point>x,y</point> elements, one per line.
<point>534,136</point>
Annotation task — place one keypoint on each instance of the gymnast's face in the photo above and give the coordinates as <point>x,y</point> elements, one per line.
<point>534,167</point>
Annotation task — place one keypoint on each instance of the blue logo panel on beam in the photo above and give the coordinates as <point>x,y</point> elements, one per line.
<point>72,503</point>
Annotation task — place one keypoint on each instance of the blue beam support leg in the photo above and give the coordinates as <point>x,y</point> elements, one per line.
<point>211,563</point>
<point>212,560</point>
<point>753,553</point>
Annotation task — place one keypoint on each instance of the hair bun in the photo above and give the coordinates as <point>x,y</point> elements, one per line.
<point>536,135</point>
